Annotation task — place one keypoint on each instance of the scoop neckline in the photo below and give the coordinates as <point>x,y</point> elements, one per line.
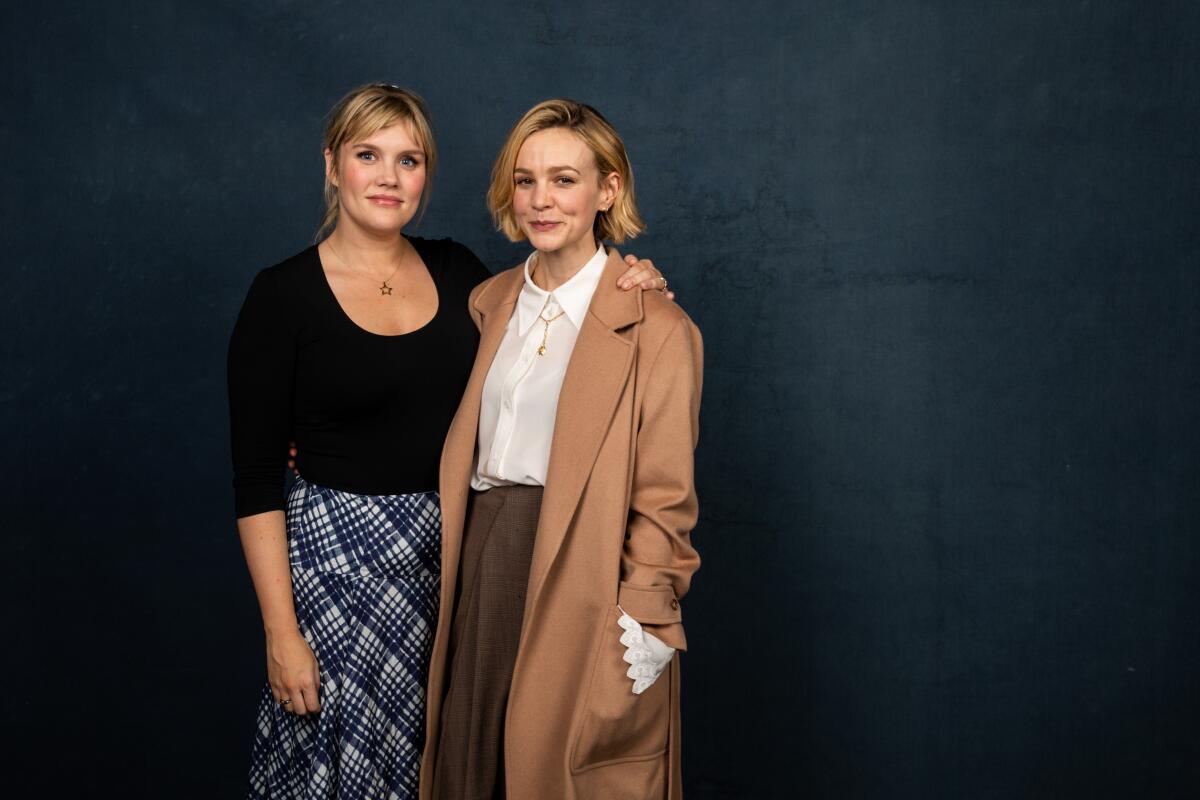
<point>316,251</point>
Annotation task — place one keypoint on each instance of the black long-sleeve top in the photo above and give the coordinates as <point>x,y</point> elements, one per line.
<point>368,412</point>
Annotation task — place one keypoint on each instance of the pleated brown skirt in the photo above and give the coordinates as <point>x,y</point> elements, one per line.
<point>489,605</point>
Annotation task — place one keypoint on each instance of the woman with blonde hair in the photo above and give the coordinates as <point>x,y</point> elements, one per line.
<point>358,349</point>
<point>567,497</point>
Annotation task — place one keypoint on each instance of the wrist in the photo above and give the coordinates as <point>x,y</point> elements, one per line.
<point>281,628</point>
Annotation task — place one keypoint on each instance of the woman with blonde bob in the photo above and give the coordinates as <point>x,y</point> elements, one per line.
<point>567,497</point>
<point>358,349</point>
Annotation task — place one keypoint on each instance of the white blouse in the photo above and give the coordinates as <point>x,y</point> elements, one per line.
<point>517,412</point>
<point>520,393</point>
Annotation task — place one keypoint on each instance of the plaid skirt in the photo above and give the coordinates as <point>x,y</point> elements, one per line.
<point>365,577</point>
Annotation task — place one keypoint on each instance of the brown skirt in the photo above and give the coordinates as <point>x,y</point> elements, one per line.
<point>488,609</point>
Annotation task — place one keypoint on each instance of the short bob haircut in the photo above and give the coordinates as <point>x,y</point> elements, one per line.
<point>364,112</point>
<point>621,221</point>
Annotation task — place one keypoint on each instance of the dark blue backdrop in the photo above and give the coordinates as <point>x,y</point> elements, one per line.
<point>945,258</point>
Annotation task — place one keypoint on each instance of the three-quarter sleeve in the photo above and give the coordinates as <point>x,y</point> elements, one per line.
<point>261,368</point>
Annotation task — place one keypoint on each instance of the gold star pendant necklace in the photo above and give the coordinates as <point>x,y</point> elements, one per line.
<point>384,289</point>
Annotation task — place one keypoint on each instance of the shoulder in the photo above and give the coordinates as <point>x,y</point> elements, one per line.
<point>288,274</point>
<point>453,259</point>
<point>669,344</point>
<point>495,287</point>
<point>663,318</point>
<point>291,267</point>
<point>278,292</point>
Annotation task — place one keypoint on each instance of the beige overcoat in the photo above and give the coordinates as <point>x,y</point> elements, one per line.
<point>614,529</point>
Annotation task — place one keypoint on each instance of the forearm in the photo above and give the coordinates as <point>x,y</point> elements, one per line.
<point>658,559</point>
<point>650,592</point>
<point>264,541</point>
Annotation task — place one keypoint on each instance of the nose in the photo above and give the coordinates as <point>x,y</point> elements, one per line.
<point>388,174</point>
<point>540,198</point>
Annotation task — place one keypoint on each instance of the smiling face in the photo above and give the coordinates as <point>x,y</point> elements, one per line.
<point>379,179</point>
<point>557,192</point>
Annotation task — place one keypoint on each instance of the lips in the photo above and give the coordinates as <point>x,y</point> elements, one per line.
<point>385,200</point>
<point>543,226</point>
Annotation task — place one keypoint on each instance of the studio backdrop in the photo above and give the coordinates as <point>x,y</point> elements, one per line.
<point>944,256</point>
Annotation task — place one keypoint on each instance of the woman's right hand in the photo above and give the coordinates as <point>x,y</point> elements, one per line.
<point>292,670</point>
<point>293,673</point>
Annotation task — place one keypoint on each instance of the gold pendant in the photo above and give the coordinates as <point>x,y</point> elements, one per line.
<point>541,351</point>
<point>385,289</point>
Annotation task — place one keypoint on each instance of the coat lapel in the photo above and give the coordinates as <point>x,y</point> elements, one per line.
<point>596,375</point>
<point>495,306</point>
<point>491,307</point>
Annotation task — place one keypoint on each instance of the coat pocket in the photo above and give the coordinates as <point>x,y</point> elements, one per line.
<point>615,724</point>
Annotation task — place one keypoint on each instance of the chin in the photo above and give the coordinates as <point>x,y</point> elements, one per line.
<point>392,221</point>
<point>540,241</point>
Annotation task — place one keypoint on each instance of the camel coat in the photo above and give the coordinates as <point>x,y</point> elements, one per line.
<point>616,514</point>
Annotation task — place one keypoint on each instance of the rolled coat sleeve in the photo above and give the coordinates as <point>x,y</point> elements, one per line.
<point>658,558</point>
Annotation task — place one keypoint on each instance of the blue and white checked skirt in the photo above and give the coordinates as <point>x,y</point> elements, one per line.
<point>365,575</point>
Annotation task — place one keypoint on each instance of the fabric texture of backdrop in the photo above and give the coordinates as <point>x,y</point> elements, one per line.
<point>944,258</point>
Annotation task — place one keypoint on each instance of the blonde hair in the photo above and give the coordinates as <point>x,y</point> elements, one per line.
<point>364,112</point>
<point>621,220</point>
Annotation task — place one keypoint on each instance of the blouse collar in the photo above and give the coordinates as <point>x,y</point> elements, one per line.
<point>573,297</point>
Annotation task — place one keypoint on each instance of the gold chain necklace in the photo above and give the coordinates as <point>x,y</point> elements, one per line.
<point>384,289</point>
<point>541,351</point>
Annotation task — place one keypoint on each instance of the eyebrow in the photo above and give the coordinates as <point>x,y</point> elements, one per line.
<point>416,150</point>
<point>549,169</point>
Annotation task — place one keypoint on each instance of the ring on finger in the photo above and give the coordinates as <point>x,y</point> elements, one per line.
<point>664,283</point>
<point>286,701</point>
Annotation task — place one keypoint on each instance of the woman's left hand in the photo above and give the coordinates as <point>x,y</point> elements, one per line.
<point>642,273</point>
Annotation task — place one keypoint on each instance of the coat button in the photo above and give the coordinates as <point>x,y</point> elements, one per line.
<point>674,604</point>
<point>364,571</point>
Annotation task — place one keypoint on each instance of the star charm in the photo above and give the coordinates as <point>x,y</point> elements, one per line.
<point>385,289</point>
